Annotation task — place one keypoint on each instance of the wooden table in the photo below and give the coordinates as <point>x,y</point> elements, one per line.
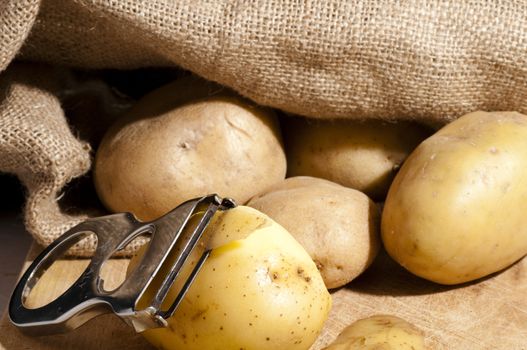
<point>15,243</point>
<point>490,314</point>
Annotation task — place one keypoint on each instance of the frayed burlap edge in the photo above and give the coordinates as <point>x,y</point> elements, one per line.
<point>38,146</point>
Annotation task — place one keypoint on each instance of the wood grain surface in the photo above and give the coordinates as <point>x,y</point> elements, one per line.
<point>489,314</point>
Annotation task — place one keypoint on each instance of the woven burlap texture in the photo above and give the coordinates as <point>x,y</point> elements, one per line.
<point>426,60</point>
<point>16,20</point>
<point>37,144</point>
<point>422,59</point>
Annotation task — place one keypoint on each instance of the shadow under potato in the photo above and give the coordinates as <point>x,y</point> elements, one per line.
<point>387,277</point>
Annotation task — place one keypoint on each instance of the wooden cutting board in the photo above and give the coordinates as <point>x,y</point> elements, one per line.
<point>490,314</point>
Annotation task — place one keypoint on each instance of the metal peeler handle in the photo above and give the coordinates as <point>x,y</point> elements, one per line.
<point>86,298</point>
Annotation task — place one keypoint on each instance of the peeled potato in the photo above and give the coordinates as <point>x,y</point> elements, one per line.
<point>338,226</point>
<point>363,155</point>
<point>380,332</point>
<point>259,289</point>
<point>170,148</point>
<point>455,211</point>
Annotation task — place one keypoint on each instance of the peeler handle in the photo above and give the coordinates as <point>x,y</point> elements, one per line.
<point>81,301</point>
<point>86,298</point>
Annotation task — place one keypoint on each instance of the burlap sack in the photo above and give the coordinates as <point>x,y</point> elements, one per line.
<point>429,60</point>
<point>37,144</point>
<point>422,59</point>
<point>16,20</point>
<point>46,150</point>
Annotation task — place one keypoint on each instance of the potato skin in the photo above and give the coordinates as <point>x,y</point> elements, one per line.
<point>363,155</point>
<point>258,290</point>
<point>379,332</point>
<point>338,226</point>
<point>163,153</point>
<point>455,211</point>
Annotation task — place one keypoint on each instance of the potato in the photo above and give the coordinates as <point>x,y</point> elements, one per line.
<point>338,226</point>
<point>455,211</point>
<point>166,151</point>
<point>259,289</point>
<point>380,332</point>
<point>360,155</point>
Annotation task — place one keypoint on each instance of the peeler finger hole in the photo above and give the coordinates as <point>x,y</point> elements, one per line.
<point>113,272</point>
<point>57,273</point>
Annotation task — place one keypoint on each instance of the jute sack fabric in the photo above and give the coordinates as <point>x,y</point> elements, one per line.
<point>38,146</point>
<point>428,60</point>
<point>415,59</point>
<point>46,150</point>
<point>16,20</point>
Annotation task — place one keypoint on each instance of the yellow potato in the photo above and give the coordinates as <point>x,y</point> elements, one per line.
<point>259,289</point>
<point>170,148</point>
<point>380,332</point>
<point>455,211</point>
<point>363,155</point>
<point>338,226</point>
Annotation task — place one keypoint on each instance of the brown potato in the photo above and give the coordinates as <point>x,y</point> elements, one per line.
<point>455,211</point>
<point>170,148</point>
<point>379,332</point>
<point>338,226</point>
<point>258,290</point>
<point>360,155</point>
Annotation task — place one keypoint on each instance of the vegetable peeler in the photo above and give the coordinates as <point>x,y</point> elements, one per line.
<point>172,235</point>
